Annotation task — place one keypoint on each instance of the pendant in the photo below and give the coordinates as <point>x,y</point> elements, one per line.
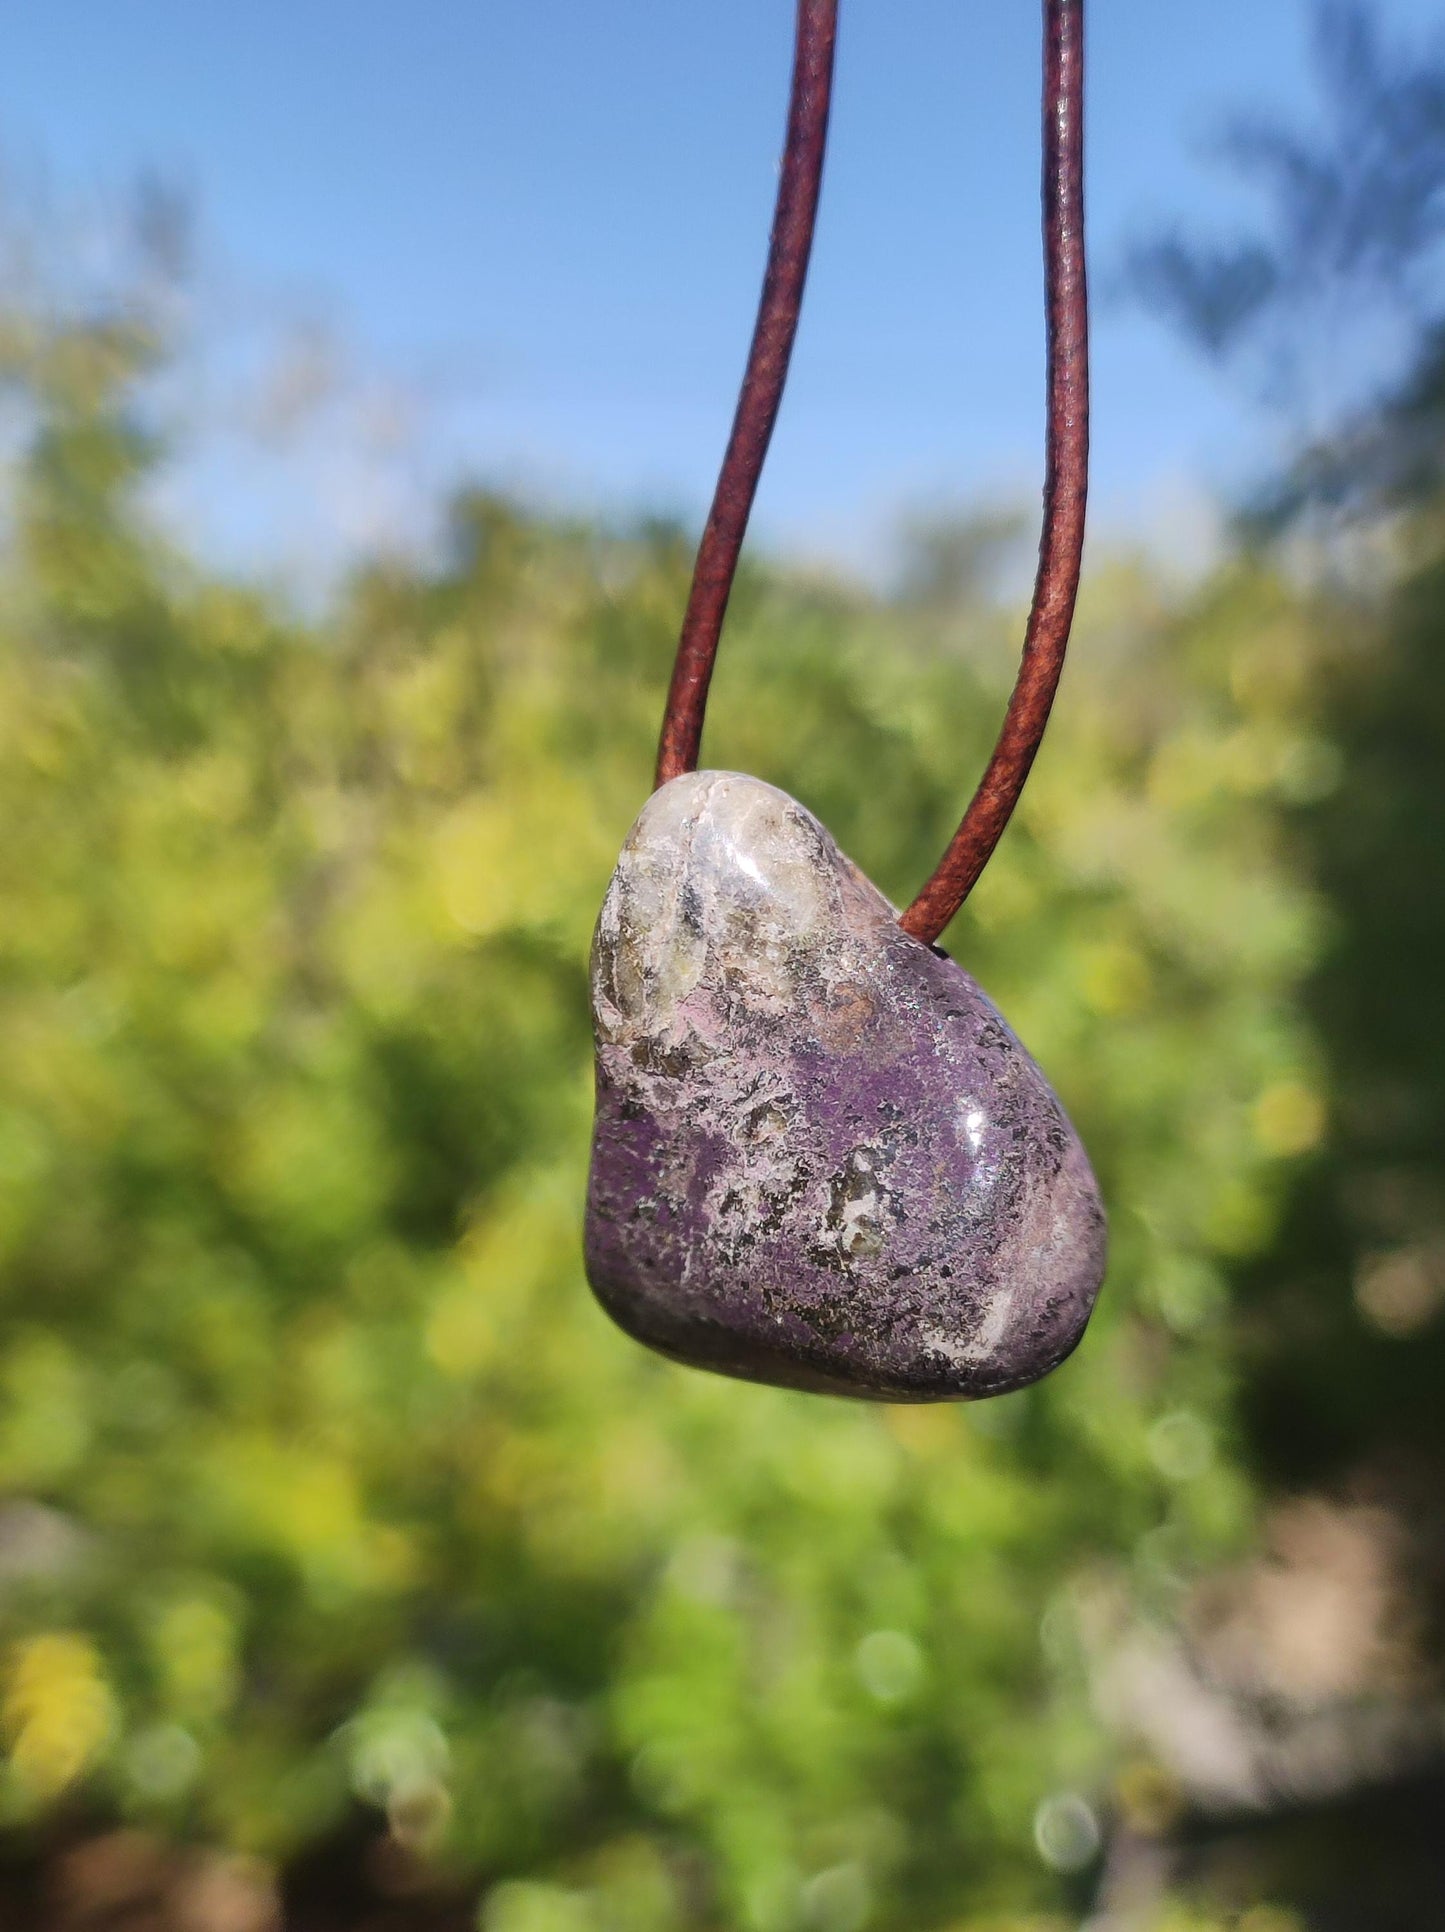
<point>821,1158</point>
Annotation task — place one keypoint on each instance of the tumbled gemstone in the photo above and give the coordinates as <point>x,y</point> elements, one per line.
<point>821,1158</point>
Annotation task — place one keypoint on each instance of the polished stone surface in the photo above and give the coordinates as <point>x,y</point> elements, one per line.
<point>821,1158</point>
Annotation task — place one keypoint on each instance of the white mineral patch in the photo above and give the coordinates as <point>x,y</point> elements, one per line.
<point>984,1341</point>
<point>723,874</point>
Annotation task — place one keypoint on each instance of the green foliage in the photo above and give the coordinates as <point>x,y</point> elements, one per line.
<point>1349,1353</point>
<point>327,1479</point>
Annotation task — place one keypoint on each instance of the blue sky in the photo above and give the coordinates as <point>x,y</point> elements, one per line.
<point>530,236</point>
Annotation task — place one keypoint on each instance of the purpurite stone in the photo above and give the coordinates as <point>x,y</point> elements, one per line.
<point>821,1158</point>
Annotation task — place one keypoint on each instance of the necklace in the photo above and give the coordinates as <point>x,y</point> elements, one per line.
<point>821,1158</point>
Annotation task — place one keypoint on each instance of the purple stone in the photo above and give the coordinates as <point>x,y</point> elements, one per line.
<point>821,1158</point>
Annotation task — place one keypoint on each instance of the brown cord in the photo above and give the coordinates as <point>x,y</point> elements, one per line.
<point>1066,470</point>
<point>1066,481</point>
<point>762,391</point>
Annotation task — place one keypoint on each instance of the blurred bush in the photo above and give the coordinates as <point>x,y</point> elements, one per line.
<point>325,1480</point>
